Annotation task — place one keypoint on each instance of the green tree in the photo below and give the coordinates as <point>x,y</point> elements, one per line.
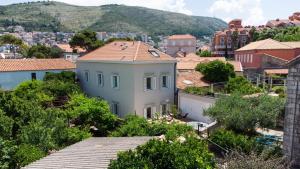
<point>27,154</point>
<point>244,114</point>
<point>7,151</point>
<point>204,53</point>
<point>216,71</point>
<point>85,39</point>
<point>6,124</point>
<point>10,39</point>
<point>42,51</point>
<point>241,85</point>
<point>188,152</point>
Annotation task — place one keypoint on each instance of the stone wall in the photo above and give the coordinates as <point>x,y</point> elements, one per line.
<point>291,140</point>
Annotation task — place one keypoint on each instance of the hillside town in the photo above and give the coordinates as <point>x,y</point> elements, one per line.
<point>118,100</point>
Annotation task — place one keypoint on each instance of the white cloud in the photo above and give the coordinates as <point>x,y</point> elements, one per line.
<point>168,5</point>
<point>250,10</point>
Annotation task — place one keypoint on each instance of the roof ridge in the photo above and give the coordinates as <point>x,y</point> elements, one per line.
<point>137,50</point>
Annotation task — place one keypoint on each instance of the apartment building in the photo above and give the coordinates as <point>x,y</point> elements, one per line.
<point>226,41</point>
<point>132,76</point>
<point>180,43</point>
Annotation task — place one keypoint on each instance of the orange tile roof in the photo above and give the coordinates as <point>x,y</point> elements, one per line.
<point>177,37</point>
<point>277,71</point>
<point>67,48</point>
<point>192,60</point>
<point>265,44</point>
<point>236,65</point>
<point>192,78</point>
<point>13,65</point>
<point>126,51</point>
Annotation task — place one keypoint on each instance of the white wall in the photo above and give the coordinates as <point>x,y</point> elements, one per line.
<point>195,106</point>
<point>10,80</point>
<point>131,95</point>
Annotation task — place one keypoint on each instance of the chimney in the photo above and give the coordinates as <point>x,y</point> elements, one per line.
<point>184,54</point>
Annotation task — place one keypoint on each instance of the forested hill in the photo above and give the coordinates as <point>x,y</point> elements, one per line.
<point>56,16</point>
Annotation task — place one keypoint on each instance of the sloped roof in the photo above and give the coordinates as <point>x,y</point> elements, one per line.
<point>127,51</point>
<point>277,71</point>
<point>192,78</point>
<point>12,65</point>
<point>265,44</point>
<point>292,44</point>
<point>192,60</point>
<point>177,37</point>
<point>93,153</point>
<point>67,48</point>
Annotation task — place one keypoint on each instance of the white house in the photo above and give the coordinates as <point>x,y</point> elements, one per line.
<point>15,71</point>
<point>70,53</point>
<point>132,76</point>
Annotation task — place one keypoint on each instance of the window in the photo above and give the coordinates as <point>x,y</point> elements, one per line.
<point>86,76</point>
<point>100,79</point>
<point>164,109</point>
<point>149,83</point>
<point>115,81</point>
<point>33,76</point>
<point>165,81</point>
<point>115,108</point>
<point>251,58</point>
<point>222,42</point>
<point>149,112</point>
<point>174,43</point>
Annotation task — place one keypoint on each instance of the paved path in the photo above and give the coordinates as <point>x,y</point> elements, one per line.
<point>93,153</point>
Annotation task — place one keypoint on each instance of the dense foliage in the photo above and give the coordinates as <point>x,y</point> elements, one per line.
<point>204,53</point>
<point>20,47</point>
<point>235,142</point>
<point>216,71</point>
<point>55,17</point>
<point>138,126</point>
<point>253,161</point>
<point>244,114</point>
<point>241,85</point>
<point>183,152</point>
<point>86,39</point>
<point>202,91</point>
<point>40,116</point>
<point>280,34</point>
<point>42,51</point>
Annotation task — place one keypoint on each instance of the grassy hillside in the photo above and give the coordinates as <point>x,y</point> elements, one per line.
<point>55,16</point>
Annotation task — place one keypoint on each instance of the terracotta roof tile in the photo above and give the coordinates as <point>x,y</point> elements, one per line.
<point>237,66</point>
<point>191,78</point>
<point>265,44</point>
<point>12,65</point>
<point>127,51</point>
<point>176,37</point>
<point>277,71</point>
<point>67,48</point>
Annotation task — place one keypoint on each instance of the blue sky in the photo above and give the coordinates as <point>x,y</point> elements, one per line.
<point>253,12</point>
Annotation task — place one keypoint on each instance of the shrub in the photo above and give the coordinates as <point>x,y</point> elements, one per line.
<point>204,53</point>
<point>244,114</point>
<point>6,125</point>
<point>237,142</point>
<point>241,85</point>
<point>188,152</point>
<point>280,90</point>
<point>138,126</point>
<point>237,161</point>
<point>66,76</point>
<point>27,154</point>
<point>7,150</point>
<point>197,90</point>
<point>216,71</point>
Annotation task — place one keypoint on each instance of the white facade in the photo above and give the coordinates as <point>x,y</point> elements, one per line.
<point>130,87</point>
<point>10,80</point>
<point>195,106</point>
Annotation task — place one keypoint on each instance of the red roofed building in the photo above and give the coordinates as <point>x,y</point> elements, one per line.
<point>267,54</point>
<point>180,43</point>
<point>15,71</point>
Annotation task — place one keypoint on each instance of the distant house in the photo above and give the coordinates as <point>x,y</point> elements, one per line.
<point>293,20</point>
<point>15,71</point>
<point>186,74</point>
<point>132,76</point>
<point>70,53</point>
<point>180,43</point>
<point>267,54</point>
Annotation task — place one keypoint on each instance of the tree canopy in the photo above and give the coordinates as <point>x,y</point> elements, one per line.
<point>216,71</point>
<point>241,85</point>
<point>86,39</point>
<point>244,114</point>
<point>204,53</point>
<point>42,51</point>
